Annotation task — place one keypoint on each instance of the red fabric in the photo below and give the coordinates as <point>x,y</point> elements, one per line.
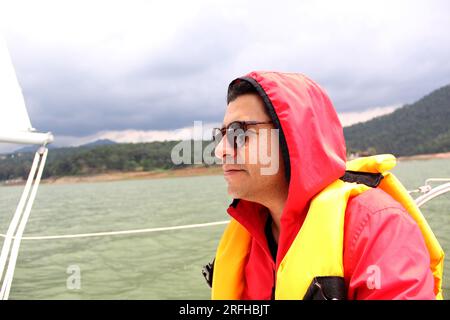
<point>380,236</point>
<point>377,231</point>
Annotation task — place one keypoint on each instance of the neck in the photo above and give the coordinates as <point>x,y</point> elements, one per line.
<point>275,204</point>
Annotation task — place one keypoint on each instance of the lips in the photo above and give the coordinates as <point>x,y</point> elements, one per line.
<point>229,171</point>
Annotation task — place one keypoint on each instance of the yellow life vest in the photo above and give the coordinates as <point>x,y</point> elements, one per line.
<point>322,232</point>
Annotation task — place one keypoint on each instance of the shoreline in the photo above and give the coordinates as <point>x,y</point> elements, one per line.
<point>123,176</point>
<point>442,155</point>
<point>174,173</point>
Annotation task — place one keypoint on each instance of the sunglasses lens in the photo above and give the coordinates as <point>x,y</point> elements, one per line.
<point>236,135</point>
<point>240,138</point>
<point>217,135</point>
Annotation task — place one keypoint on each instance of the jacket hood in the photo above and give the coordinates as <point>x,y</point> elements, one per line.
<point>312,144</point>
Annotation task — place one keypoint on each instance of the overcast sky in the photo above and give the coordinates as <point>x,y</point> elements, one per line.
<point>138,70</point>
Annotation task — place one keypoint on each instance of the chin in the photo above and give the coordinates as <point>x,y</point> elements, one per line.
<point>236,194</point>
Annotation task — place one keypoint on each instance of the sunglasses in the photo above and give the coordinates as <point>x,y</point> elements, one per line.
<point>235,132</point>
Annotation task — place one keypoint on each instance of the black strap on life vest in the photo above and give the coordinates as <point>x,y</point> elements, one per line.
<point>327,288</point>
<point>368,178</point>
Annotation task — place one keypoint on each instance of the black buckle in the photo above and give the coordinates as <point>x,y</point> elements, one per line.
<point>207,272</point>
<point>327,288</point>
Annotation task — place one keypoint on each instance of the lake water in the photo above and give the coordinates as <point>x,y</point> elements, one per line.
<point>161,265</point>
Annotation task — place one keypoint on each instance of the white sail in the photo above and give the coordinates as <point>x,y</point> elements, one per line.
<point>15,124</point>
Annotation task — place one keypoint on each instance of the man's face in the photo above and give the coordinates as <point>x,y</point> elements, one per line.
<point>254,169</point>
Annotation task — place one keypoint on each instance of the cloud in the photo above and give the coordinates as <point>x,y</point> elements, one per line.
<point>193,131</point>
<point>198,130</point>
<point>349,118</point>
<point>91,68</point>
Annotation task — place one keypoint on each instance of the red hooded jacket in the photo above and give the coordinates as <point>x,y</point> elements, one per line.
<point>378,231</point>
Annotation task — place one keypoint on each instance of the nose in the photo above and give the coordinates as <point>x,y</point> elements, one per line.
<point>223,149</point>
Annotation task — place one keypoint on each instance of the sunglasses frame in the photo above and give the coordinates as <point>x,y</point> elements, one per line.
<point>230,132</point>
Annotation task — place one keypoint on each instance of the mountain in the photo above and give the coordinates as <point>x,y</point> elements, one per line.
<point>89,159</point>
<point>94,144</point>
<point>101,142</point>
<point>33,148</point>
<point>419,128</point>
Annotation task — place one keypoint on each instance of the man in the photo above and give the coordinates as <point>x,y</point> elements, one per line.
<point>283,241</point>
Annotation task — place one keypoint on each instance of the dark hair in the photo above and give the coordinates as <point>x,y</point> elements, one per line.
<point>238,88</point>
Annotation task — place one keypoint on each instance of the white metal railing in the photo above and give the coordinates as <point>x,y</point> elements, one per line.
<point>429,192</point>
<point>13,237</point>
